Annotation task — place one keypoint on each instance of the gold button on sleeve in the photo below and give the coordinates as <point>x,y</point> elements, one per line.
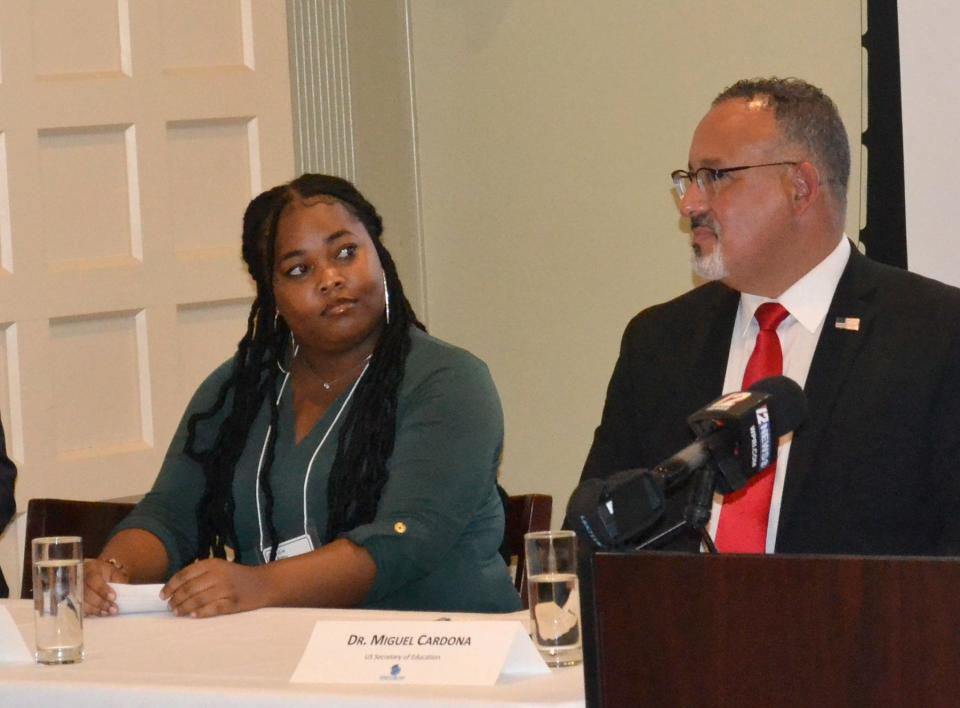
<point>400,527</point>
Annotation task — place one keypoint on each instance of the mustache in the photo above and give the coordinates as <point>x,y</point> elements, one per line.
<point>702,220</point>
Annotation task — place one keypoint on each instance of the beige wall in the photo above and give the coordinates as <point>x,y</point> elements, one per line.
<point>545,134</point>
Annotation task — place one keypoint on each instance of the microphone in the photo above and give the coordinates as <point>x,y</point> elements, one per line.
<point>772,407</point>
<point>739,432</point>
<point>737,437</point>
<point>620,507</point>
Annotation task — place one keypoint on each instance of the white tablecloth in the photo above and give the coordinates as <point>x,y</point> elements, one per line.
<point>238,660</point>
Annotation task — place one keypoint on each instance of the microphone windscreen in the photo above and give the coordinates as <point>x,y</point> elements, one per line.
<point>582,512</point>
<point>788,404</point>
<point>584,499</point>
<point>610,512</point>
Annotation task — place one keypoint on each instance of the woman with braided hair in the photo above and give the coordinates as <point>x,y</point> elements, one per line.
<point>342,457</point>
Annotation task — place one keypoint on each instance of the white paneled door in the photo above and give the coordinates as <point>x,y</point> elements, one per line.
<point>132,135</point>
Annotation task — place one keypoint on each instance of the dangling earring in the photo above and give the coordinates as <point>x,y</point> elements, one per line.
<point>386,297</point>
<point>294,348</point>
<point>293,344</point>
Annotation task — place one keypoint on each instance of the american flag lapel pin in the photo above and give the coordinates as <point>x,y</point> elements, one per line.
<point>850,324</point>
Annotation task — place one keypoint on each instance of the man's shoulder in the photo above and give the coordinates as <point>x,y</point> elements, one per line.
<point>905,290</point>
<point>692,307</point>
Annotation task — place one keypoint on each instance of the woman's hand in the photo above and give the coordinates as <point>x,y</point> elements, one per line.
<point>98,598</point>
<point>339,574</point>
<point>215,587</point>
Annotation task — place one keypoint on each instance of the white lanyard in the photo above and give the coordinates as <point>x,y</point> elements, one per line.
<point>306,479</point>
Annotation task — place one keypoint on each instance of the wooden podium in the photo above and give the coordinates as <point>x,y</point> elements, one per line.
<point>663,629</point>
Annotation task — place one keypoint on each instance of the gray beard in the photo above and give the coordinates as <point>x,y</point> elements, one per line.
<point>709,267</point>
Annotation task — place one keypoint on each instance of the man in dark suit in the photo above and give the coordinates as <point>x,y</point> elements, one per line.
<point>876,467</point>
<point>8,475</point>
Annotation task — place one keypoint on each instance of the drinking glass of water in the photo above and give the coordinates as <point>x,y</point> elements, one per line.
<point>58,599</point>
<point>554,596</point>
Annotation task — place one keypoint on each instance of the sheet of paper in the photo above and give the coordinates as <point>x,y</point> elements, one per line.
<point>453,653</point>
<point>13,650</point>
<point>134,599</point>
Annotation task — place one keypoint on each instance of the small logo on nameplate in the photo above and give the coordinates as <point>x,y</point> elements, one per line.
<point>395,674</point>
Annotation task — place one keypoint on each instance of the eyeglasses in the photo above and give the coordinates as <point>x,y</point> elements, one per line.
<point>709,179</point>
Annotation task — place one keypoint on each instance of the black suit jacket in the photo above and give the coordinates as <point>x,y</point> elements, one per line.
<point>8,475</point>
<point>876,467</point>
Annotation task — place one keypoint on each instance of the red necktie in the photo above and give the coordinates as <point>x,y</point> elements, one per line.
<point>743,517</point>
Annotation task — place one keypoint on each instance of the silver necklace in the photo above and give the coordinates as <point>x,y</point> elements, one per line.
<point>327,385</point>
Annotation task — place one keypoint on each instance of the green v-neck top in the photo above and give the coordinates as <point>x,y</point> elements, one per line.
<point>439,522</point>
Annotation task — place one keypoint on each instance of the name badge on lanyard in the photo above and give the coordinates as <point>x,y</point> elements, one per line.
<point>303,543</point>
<point>296,546</point>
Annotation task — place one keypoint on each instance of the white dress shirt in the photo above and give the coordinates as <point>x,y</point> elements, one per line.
<point>807,301</point>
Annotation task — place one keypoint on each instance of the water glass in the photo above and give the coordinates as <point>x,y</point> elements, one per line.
<point>554,596</point>
<point>58,599</point>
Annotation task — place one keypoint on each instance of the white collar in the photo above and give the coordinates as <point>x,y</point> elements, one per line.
<point>809,298</point>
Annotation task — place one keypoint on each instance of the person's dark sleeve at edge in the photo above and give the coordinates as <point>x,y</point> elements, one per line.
<point>8,475</point>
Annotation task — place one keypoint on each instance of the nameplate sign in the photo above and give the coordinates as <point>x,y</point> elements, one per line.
<point>452,653</point>
<point>13,650</point>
